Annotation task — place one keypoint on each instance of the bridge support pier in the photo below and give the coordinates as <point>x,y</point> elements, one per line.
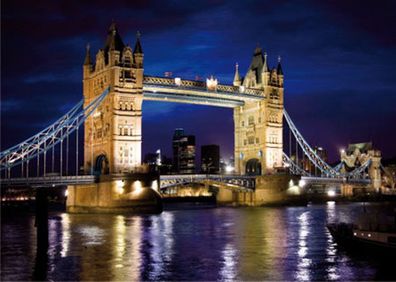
<point>130,193</point>
<point>41,224</point>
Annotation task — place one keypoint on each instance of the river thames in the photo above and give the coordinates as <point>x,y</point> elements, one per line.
<point>285,243</point>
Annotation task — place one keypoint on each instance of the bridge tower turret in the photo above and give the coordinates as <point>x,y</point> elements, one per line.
<point>237,78</point>
<point>113,133</point>
<point>258,125</point>
<point>87,66</point>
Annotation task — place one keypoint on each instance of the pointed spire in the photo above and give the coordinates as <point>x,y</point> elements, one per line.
<point>237,77</point>
<point>279,67</point>
<point>87,60</point>
<point>113,40</point>
<point>257,50</point>
<point>138,47</point>
<point>265,66</point>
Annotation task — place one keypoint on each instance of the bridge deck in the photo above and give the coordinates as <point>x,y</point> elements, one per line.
<point>49,181</point>
<point>319,180</point>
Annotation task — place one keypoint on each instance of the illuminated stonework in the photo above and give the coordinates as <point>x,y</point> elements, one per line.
<point>258,125</point>
<point>113,134</point>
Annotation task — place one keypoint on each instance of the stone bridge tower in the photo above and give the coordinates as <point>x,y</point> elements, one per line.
<point>113,134</point>
<point>258,125</point>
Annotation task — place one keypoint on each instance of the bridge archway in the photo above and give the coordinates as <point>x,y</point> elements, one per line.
<point>253,167</point>
<point>102,165</point>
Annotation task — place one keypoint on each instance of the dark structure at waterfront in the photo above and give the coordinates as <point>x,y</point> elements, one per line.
<point>210,159</point>
<point>183,152</point>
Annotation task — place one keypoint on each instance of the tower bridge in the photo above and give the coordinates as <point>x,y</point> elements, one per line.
<point>114,88</point>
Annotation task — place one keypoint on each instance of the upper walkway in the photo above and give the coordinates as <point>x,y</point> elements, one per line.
<point>198,92</point>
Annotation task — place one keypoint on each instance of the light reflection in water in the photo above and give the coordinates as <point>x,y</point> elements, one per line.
<point>228,270</point>
<point>332,271</point>
<point>161,236</point>
<point>91,235</point>
<point>66,234</point>
<point>330,210</point>
<point>133,253</point>
<point>304,262</point>
<point>119,248</point>
<point>207,244</point>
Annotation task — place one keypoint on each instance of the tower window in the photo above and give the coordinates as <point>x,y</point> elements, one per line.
<point>251,120</point>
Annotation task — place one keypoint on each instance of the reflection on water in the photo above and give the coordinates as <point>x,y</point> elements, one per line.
<point>304,262</point>
<point>201,244</point>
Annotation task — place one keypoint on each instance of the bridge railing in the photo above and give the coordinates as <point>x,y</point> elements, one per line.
<point>242,181</point>
<point>200,85</point>
<point>49,180</point>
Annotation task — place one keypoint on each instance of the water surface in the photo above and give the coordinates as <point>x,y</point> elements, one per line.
<point>288,243</point>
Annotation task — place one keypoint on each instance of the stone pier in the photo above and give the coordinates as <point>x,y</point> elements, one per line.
<point>116,194</point>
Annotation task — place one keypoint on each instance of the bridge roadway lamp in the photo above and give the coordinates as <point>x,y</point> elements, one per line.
<point>211,83</point>
<point>178,81</point>
<point>229,168</point>
<point>331,193</point>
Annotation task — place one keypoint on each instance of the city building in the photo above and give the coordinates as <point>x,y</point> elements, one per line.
<point>158,162</point>
<point>183,152</point>
<point>210,159</point>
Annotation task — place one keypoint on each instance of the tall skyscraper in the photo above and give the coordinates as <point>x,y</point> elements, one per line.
<point>210,159</point>
<point>183,152</point>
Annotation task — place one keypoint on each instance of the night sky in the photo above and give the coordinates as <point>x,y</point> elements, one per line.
<point>338,58</point>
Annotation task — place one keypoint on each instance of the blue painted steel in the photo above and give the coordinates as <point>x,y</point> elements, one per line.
<point>50,136</point>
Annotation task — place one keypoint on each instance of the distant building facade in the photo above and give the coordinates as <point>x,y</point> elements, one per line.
<point>210,159</point>
<point>158,163</point>
<point>183,152</point>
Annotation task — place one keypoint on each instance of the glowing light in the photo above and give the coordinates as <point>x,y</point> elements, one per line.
<point>178,81</point>
<point>66,192</point>
<point>97,114</point>
<point>301,183</point>
<point>294,190</point>
<point>211,83</point>
<point>291,183</point>
<point>120,186</point>
<point>229,168</point>
<point>154,185</point>
<point>137,187</point>
<point>342,151</point>
<point>369,235</point>
<point>331,193</point>
<point>354,233</point>
<point>242,88</point>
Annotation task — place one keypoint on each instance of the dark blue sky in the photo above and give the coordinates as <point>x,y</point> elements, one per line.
<point>338,57</point>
